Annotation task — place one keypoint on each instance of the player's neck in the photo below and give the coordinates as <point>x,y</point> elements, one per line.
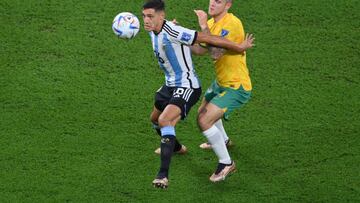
<point>159,27</point>
<point>220,16</point>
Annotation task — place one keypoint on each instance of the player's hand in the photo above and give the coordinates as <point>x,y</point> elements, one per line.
<point>175,21</point>
<point>249,41</point>
<point>202,18</point>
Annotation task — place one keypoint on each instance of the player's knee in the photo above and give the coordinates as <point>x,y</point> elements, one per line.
<point>154,118</point>
<point>202,122</point>
<point>163,121</point>
<point>199,110</point>
<point>198,122</point>
<point>202,110</point>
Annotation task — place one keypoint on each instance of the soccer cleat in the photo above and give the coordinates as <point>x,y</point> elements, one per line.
<point>222,171</point>
<point>183,150</point>
<point>207,145</point>
<point>162,183</point>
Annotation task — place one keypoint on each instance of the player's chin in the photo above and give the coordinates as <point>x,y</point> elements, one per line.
<point>148,28</point>
<point>212,12</point>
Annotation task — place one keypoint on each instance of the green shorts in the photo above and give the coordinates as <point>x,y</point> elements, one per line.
<point>226,98</point>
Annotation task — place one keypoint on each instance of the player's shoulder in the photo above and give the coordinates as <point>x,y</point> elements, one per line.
<point>171,29</point>
<point>173,26</point>
<point>233,20</point>
<point>169,24</point>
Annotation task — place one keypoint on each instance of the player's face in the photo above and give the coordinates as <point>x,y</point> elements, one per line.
<point>218,7</point>
<point>153,20</point>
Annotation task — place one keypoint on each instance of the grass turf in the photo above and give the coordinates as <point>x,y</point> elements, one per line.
<point>75,102</point>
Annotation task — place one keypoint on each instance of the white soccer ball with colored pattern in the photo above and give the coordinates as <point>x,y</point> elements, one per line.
<point>126,25</point>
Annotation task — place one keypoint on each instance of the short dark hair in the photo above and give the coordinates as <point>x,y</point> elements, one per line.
<point>157,5</point>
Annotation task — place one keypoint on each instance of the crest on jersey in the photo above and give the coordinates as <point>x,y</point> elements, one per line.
<point>224,32</point>
<point>185,37</point>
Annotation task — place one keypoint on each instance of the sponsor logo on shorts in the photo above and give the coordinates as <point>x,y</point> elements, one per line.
<point>184,93</point>
<point>225,109</point>
<point>222,94</point>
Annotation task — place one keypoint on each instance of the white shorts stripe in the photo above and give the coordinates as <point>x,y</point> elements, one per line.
<point>187,94</point>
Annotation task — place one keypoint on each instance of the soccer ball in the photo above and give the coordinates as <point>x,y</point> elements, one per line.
<point>126,25</point>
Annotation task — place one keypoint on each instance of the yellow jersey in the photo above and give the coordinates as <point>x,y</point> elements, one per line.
<point>231,70</point>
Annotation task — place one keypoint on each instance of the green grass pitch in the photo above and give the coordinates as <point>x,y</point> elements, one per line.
<point>75,103</point>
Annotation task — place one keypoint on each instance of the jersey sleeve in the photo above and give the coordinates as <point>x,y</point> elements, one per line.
<point>233,32</point>
<point>180,34</point>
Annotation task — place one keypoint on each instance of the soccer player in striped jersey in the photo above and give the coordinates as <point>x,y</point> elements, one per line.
<point>173,101</point>
<point>232,87</point>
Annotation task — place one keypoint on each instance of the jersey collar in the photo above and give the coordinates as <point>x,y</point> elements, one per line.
<point>156,33</point>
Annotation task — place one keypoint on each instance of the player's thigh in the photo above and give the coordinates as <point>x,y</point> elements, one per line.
<point>202,105</point>
<point>155,114</point>
<point>185,99</point>
<point>210,114</point>
<point>230,99</point>
<point>170,116</point>
<point>162,97</point>
<point>211,92</point>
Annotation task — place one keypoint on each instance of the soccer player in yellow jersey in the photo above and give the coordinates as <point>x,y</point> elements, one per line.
<point>232,87</point>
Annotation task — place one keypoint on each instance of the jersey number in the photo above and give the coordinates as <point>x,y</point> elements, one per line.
<point>178,92</point>
<point>157,54</point>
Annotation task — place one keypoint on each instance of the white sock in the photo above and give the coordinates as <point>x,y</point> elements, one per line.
<point>217,142</point>
<point>220,126</point>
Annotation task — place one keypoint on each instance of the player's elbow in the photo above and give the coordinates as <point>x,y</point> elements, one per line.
<point>215,56</point>
<point>202,38</point>
<point>198,52</point>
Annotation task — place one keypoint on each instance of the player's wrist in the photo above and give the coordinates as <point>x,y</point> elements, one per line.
<point>204,28</point>
<point>242,47</point>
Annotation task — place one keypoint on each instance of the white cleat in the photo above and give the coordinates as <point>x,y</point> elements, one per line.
<point>161,183</point>
<point>207,145</point>
<point>223,171</point>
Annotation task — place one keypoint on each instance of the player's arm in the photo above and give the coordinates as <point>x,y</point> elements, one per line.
<point>197,49</point>
<point>219,42</point>
<point>190,37</point>
<point>215,52</point>
<point>225,43</point>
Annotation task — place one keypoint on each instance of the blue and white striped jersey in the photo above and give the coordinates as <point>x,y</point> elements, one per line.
<point>171,48</point>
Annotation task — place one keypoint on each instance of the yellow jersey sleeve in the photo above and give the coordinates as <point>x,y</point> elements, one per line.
<point>233,32</point>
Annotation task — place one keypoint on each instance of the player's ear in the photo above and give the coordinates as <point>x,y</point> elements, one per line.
<point>228,5</point>
<point>162,14</point>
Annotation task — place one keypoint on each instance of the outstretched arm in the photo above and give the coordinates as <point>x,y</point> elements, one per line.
<point>215,52</point>
<point>224,43</point>
<point>198,50</point>
<point>219,43</point>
